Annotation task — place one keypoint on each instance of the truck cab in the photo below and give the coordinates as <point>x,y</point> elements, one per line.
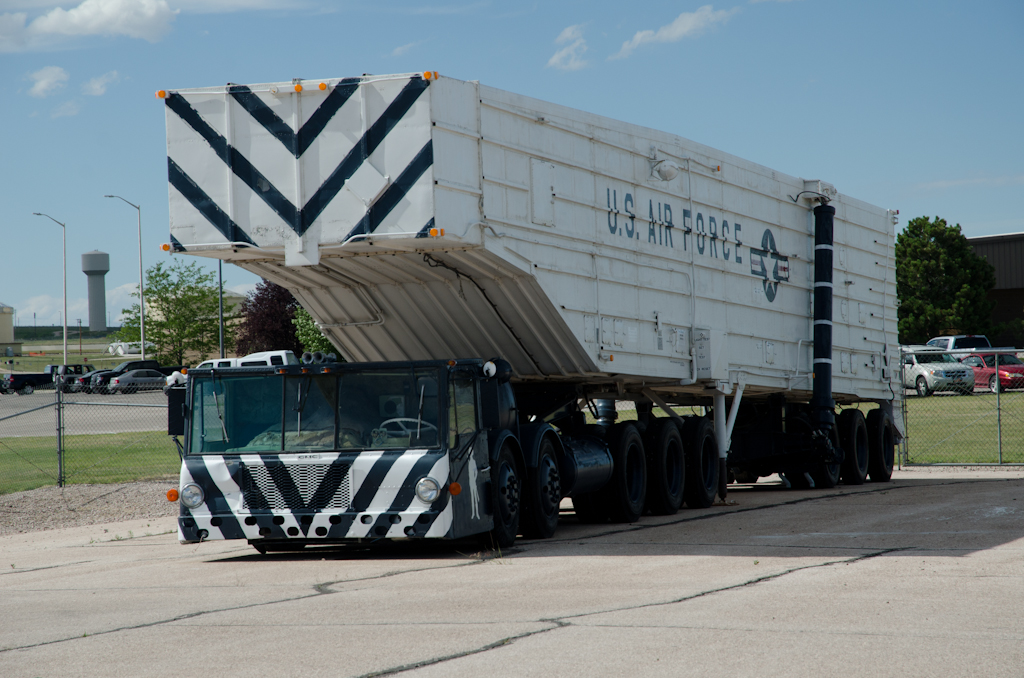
<point>319,453</point>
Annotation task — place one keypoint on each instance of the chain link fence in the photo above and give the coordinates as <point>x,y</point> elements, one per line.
<point>963,407</point>
<point>55,438</point>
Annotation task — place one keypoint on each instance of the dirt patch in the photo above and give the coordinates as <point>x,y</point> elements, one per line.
<point>52,508</point>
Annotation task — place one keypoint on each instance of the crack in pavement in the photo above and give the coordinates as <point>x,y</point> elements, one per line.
<point>318,590</point>
<point>562,621</point>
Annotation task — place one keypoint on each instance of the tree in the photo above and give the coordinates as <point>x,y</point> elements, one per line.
<point>310,336</point>
<point>941,283</point>
<point>181,313</point>
<point>267,314</point>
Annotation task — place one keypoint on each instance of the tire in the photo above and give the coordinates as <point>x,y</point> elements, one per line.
<point>542,494</point>
<point>666,468</point>
<point>505,497</point>
<point>701,463</point>
<point>922,387</point>
<point>27,389</point>
<point>853,437</point>
<point>826,476</point>
<point>881,446</point>
<point>994,385</point>
<point>626,492</point>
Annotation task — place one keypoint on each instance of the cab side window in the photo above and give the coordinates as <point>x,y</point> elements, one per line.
<point>461,410</point>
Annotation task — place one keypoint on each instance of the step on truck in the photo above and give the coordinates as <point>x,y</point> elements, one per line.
<point>500,274</point>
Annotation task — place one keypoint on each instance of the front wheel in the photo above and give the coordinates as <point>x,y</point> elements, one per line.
<point>542,494</point>
<point>505,498</point>
<point>994,385</point>
<point>922,387</point>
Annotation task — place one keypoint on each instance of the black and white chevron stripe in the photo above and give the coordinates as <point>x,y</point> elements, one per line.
<point>374,487</point>
<point>330,145</point>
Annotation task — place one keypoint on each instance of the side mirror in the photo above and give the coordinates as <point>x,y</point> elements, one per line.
<point>176,411</point>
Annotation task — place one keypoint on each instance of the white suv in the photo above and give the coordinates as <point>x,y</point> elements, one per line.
<point>927,370</point>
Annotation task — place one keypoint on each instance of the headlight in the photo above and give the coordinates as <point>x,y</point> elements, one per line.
<point>937,373</point>
<point>428,490</point>
<point>191,496</point>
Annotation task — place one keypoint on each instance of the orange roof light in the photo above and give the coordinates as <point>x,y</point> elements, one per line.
<point>323,86</point>
<point>184,370</point>
<point>298,87</point>
<point>172,495</point>
<point>162,94</point>
<point>166,247</point>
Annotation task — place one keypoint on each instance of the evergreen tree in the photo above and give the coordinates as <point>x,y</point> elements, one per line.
<point>941,283</point>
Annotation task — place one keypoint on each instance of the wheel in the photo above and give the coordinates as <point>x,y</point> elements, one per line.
<point>701,449</point>
<point>922,387</point>
<point>542,494</point>
<point>627,489</point>
<point>826,476</point>
<point>881,445</point>
<point>853,437</point>
<point>994,385</point>
<point>666,470</point>
<point>505,498</point>
<point>27,389</point>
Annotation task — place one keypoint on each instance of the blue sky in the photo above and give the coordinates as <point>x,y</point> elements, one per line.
<point>914,105</point>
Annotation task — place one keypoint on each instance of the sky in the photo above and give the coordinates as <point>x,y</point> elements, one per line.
<point>909,105</point>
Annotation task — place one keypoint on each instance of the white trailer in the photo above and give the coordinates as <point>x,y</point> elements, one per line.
<point>423,219</point>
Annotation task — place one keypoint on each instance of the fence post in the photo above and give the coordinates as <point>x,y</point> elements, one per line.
<point>999,411</point>
<point>60,433</point>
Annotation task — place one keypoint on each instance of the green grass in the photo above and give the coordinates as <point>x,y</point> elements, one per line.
<point>963,429</point>
<point>28,463</point>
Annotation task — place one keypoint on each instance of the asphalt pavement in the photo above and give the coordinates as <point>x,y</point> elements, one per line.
<point>918,577</point>
<point>84,413</point>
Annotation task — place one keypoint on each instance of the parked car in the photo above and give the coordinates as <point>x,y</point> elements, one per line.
<point>27,382</point>
<point>101,380</point>
<point>1011,370</point>
<point>927,370</point>
<point>70,374</point>
<point>137,380</point>
<point>960,342</point>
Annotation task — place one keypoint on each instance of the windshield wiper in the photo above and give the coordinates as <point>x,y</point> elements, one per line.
<point>220,415</point>
<point>301,402</point>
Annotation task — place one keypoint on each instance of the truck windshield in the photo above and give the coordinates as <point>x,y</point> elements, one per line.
<point>375,409</point>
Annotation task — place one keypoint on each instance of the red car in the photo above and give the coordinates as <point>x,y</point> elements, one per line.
<point>1011,370</point>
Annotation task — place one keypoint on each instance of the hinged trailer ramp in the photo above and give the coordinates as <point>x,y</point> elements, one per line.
<point>422,218</point>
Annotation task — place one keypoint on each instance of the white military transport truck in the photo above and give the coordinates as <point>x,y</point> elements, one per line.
<point>493,268</point>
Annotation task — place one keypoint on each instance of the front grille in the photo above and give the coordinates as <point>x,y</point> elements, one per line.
<point>295,487</point>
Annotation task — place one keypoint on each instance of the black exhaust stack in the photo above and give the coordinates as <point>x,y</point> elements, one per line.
<point>822,405</point>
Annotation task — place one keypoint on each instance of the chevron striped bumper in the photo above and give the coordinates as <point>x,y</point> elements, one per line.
<point>315,497</point>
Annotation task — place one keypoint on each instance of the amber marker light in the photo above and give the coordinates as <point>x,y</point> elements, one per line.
<point>434,233</point>
<point>323,86</point>
<point>282,371</point>
<point>455,489</point>
<point>427,75</point>
<point>298,87</point>
<point>166,247</point>
<point>161,94</point>
<point>184,370</point>
<point>172,495</point>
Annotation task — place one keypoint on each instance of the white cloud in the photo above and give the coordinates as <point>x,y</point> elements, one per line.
<point>142,19</point>
<point>243,290</point>
<point>47,80</point>
<point>570,57</point>
<point>66,109</point>
<point>399,51</point>
<point>686,25</point>
<point>98,85</point>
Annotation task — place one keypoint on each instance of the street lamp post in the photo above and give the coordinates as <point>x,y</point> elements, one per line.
<point>64,247</point>
<point>142,297</point>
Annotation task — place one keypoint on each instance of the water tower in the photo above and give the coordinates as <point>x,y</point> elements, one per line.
<point>95,265</point>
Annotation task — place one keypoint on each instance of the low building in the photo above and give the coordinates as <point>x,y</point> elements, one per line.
<point>1006,254</point>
